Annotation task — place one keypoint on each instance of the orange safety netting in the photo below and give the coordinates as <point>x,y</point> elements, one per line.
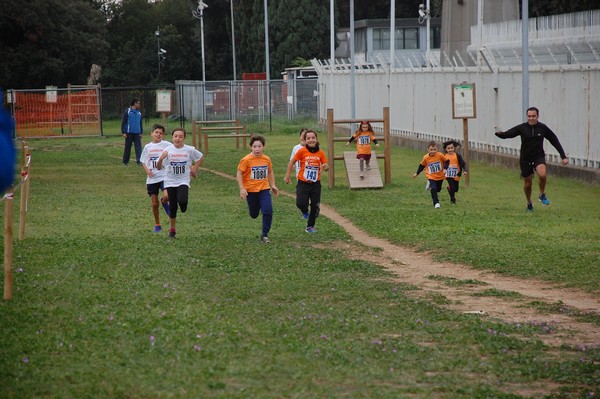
<point>75,113</point>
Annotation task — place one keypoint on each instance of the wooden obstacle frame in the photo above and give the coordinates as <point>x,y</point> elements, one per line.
<point>8,219</point>
<point>331,122</point>
<point>202,130</point>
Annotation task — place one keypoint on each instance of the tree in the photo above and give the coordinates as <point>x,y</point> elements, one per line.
<point>49,42</point>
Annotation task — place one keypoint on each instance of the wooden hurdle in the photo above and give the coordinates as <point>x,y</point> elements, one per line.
<point>201,129</point>
<point>332,139</point>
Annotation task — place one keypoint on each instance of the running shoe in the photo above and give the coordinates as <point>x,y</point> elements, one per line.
<point>172,233</point>
<point>265,240</point>
<point>437,206</point>
<point>544,199</point>
<point>529,207</point>
<point>368,166</point>
<point>311,230</point>
<point>157,228</point>
<point>167,208</point>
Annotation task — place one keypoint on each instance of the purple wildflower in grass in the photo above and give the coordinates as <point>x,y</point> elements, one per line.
<point>377,342</point>
<point>111,318</point>
<point>25,359</point>
<point>20,270</point>
<point>197,348</point>
<point>152,339</point>
<point>323,336</point>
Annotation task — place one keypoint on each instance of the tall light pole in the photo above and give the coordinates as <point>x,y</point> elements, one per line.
<point>233,41</point>
<point>199,13</point>
<point>425,14</point>
<point>267,63</point>
<point>158,53</point>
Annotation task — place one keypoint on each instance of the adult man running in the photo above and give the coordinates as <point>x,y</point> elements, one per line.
<point>533,157</point>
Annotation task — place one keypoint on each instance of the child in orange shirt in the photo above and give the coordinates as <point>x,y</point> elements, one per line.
<point>308,190</point>
<point>433,163</point>
<point>455,166</point>
<point>363,136</point>
<point>255,178</point>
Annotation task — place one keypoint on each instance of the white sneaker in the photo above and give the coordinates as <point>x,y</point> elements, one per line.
<point>437,206</point>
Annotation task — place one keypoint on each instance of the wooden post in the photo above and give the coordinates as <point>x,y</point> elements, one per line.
<point>330,149</point>
<point>8,248</point>
<point>387,162</point>
<point>466,147</point>
<point>205,142</point>
<point>25,162</point>
<point>194,133</point>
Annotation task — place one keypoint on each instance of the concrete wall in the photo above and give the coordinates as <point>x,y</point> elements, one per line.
<point>458,17</point>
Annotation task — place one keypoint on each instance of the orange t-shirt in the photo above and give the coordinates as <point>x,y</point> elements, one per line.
<point>310,164</point>
<point>434,166</point>
<point>363,141</point>
<point>255,172</point>
<point>453,169</point>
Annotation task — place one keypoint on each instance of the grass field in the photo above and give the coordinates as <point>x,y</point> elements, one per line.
<point>104,308</point>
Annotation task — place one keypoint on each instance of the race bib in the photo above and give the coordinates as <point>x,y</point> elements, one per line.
<point>434,167</point>
<point>452,171</point>
<point>178,168</point>
<point>153,161</point>
<point>259,172</point>
<point>311,173</point>
<point>364,140</point>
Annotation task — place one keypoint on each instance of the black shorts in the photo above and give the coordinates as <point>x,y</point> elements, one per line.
<point>528,167</point>
<point>154,188</point>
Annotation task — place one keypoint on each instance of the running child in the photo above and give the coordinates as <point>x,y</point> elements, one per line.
<point>255,178</point>
<point>455,166</point>
<point>308,189</point>
<point>433,163</point>
<point>182,162</point>
<point>155,177</point>
<point>363,136</point>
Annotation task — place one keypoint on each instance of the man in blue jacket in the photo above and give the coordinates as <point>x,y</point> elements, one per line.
<point>131,127</point>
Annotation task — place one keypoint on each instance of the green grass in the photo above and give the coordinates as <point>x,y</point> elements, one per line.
<point>103,308</point>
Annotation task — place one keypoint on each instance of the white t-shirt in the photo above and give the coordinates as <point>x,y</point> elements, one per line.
<point>150,156</point>
<point>178,162</point>
<point>294,151</point>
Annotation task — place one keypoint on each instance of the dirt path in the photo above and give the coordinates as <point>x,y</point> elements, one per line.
<point>417,268</point>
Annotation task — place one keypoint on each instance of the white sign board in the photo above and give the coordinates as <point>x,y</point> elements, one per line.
<point>463,101</point>
<point>51,94</point>
<point>163,101</point>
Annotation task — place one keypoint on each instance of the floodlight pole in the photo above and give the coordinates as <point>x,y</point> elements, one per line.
<point>233,41</point>
<point>199,14</point>
<point>157,33</point>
